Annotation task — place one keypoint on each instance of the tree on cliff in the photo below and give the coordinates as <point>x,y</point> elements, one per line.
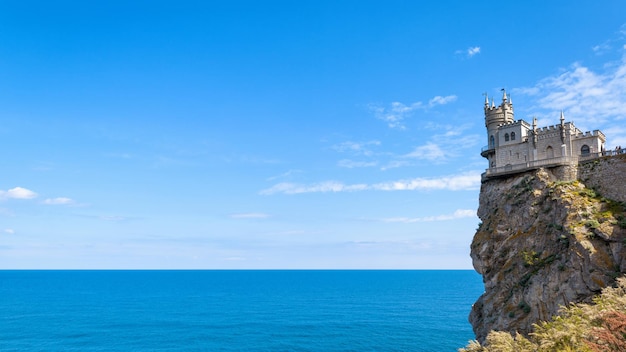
<point>580,327</point>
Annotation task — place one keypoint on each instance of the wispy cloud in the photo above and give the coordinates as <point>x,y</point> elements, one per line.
<point>8,231</point>
<point>602,48</point>
<point>58,201</point>
<point>617,135</point>
<point>439,100</point>
<point>469,52</point>
<point>356,148</point>
<point>396,112</point>
<point>444,144</point>
<point>461,182</point>
<point>609,44</point>
<point>429,151</point>
<point>594,96</point>
<point>351,164</point>
<point>17,193</point>
<point>322,187</point>
<point>458,214</point>
<point>362,150</point>
<point>250,216</point>
<point>286,174</point>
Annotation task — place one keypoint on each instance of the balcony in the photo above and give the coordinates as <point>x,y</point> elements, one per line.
<point>486,150</point>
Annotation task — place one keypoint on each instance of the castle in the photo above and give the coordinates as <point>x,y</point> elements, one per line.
<point>517,146</point>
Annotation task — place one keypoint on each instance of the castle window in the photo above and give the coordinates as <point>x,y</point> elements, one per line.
<point>512,136</point>
<point>492,142</point>
<point>549,152</point>
<point>506,137</point>
<point>584,150</point>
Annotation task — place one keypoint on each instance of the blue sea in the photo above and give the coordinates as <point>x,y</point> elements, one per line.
<point>240,310</point>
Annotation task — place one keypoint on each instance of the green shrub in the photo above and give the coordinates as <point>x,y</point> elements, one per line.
<point>592,224</point>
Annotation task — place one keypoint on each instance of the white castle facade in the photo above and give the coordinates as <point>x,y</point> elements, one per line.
<point>516,146</point>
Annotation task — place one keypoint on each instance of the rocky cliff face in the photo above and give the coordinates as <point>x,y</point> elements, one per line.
<point>544,243</point>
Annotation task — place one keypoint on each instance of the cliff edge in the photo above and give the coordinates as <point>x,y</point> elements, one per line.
<point>546,241</point>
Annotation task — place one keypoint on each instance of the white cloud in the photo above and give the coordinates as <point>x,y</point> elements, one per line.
<point>322,187</point>
<point>465,181</point>
<point>458,214</point>
<point>469,52</point>
<point>17,193</point>
<point>9,231</point>
<point>461,182</point>
<point>601,48</point>
<point>58,201</point>
<point>429,151</point>
<point>284,175</point>
<point>584,94</point>
<point>358,148</point>
<point>350,164</point>
<point>250,216</point>
<point>395,164</point>
<point>397,111</point>
<point>439,100</point>
<point>608,45</point>
<point>616,135</point>
<point>473,51</point>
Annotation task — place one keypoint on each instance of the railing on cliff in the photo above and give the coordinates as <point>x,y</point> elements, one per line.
<point>551,162</point>
<point>530,165</point>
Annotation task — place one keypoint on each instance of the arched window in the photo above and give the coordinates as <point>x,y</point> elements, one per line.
<point>506,137</point>
<point>492,142</point>
<point>549,152</point>
<point>584,150</point>
<point>512,136</point>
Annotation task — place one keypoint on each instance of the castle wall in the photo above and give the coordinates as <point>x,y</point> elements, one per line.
<point>549,144</point>
<point>593,141</point>
<point>513,154</point>
<point>518,129</point>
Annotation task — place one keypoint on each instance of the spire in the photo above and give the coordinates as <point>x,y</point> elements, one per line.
<point>503,95</point>
<point>510,99</point>
<point>486,100</point>
<point>493,103</point>
<point>562,117</point>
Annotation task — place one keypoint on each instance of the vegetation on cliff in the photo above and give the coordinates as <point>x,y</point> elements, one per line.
<point>579,327</point>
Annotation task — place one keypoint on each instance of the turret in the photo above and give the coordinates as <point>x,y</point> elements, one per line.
<point>496,116</point>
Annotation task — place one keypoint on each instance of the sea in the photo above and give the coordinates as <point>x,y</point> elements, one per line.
<point>236,310</point>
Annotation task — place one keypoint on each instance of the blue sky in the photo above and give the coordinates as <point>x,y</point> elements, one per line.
<point>277,134</point>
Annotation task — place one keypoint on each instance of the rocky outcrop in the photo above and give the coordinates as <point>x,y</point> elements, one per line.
<point>544,243</point>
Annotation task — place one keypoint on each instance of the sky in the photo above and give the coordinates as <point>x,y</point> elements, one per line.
<point>277,134</point>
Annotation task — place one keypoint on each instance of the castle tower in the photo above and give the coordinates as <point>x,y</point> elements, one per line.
<point>494,117</point>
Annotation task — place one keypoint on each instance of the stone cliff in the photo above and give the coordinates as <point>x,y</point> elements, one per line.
<point>547,238</point>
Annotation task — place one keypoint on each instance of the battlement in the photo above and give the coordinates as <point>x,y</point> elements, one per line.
<point>587,134</point>
<point>549,128</point>
<point>519,122</point>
